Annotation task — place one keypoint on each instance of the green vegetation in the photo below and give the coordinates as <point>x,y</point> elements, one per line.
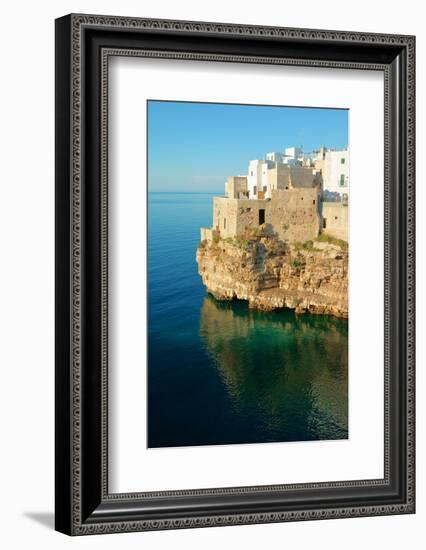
<point>243,243</point>
<point>247,240</point>
<point>250,239</point>
<point>307,245</point>
<point>323,238</point>
<point>296,263</point>
<point>238,242</point>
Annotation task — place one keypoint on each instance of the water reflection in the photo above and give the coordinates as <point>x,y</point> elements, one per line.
<point>285,375</point>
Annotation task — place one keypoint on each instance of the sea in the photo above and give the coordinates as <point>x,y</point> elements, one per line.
<point>220,373</point>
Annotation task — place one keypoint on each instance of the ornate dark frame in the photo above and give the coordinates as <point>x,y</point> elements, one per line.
<point>83,46</point>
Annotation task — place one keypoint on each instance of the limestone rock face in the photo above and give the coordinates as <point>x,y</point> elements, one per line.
<point>270,274</point>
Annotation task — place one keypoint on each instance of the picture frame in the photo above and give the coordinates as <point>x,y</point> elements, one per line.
<point>84,44</point>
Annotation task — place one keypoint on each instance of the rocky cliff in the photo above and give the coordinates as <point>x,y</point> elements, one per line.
<point>270,274</point>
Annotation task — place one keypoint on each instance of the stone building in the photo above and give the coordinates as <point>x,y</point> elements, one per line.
<point>292,214</point>
<point>335,219</point>
<point>283,199</point>
<point>236,187</point>
<point>283,176</point>
<point>264,176</point>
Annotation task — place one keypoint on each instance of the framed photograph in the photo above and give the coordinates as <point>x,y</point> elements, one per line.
<point>234,274</point>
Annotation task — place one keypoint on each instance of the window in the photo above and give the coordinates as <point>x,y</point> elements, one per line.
<point>313,202</point>
<point>342,161</point>
<point>224,223</point>
<point>255,190</point>
<point>324,223</point>
<point>342,180</point>
<point>261,216</point>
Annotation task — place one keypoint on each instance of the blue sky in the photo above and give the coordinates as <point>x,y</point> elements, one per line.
<point>193,147</point>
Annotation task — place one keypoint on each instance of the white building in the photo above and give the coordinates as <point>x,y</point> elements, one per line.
<point>257,178</point>
<point>293,155</point>
<point>275,157</point>
<point>335,172</point>
<point>314,157</point>
<point>333,166</point>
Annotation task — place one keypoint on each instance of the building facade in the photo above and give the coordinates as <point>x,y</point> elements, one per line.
<point>293,155</point>
<point>236,187</point>
<point>335,220</point>
<point>275,157</point>
<point>285,198</point>
<point>291,214</point>
<point>257,178</point>
<point>335,172</point>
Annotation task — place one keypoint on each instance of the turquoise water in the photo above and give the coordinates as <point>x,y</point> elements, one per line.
<point>219,373</point>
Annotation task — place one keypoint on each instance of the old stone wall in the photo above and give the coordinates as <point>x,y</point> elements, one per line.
<point>225,216</point>
<point>335,220</point>
<point>207,234</point>
<point>236,185</point>
<point>232,217</point>
<point>292,214</point>
<point>283,176</point>
<point>279,177</point>
<point>249,212</point>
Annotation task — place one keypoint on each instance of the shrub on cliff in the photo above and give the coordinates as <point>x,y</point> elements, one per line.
<point>307,245</point>
<point>296,263</point>
<point>323,238</point>
<point>240,242</point>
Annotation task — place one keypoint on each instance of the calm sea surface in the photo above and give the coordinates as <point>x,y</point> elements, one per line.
<point>219,373</point>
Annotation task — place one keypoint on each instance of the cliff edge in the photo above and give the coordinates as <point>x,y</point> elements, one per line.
<point>272,274</point>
